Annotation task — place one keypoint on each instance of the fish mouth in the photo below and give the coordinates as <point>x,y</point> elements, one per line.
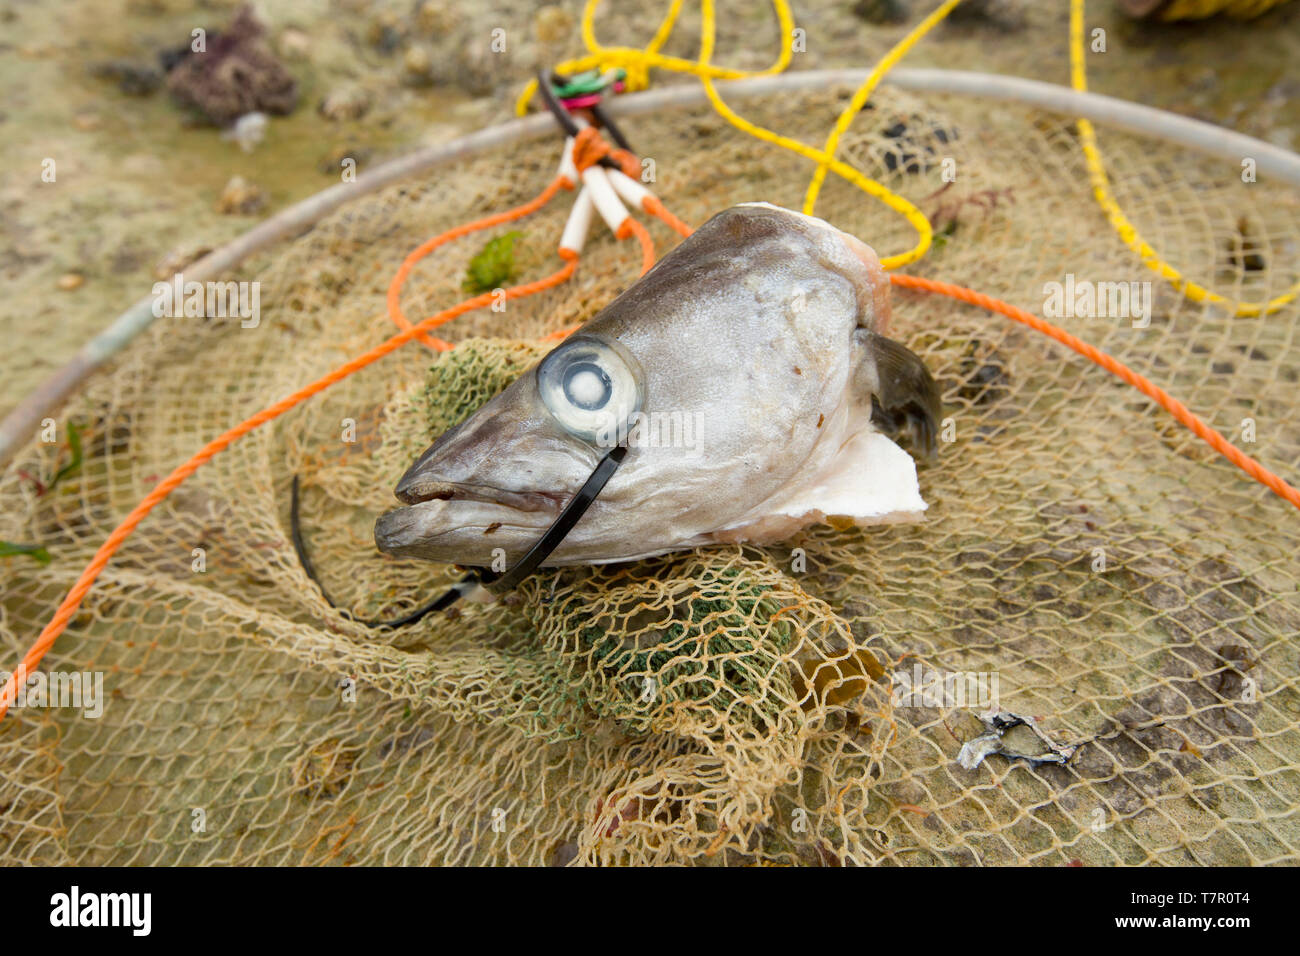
<point>421,490</point>
<point>459,524</point>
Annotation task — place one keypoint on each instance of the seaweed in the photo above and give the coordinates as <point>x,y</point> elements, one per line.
<point>493,266</point>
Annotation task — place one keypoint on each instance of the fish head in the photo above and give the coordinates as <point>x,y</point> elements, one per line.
<point>748,376</point>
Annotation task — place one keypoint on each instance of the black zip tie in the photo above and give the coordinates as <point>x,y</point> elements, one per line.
<point>555,106</point>
<point>608,123</point>
<point>598,111</point>
<point>497,584</point>
<point>563,118</point>
<point>446,600</point>
<point>556,533</point>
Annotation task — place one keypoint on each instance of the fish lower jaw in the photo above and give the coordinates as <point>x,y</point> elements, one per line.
<point>457,530</point>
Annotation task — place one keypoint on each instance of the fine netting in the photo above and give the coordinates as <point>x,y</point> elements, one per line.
<point>1127,587</point>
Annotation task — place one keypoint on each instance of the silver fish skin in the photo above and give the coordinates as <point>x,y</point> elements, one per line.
<point>768,387</point>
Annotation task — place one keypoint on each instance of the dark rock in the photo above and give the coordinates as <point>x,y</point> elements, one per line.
<point>881,11</point>
<point>236,74</point>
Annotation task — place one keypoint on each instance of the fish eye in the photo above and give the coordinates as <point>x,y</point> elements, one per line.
<point>591,387</point>
<point>588,386</point>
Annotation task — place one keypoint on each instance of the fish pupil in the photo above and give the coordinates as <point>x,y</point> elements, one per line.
<point>587,386</point>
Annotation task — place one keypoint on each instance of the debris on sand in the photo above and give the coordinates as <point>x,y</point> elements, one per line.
<point>1014,736</point>
<point>345,103</point>
<point>235,74</point>
<point>881,11</point>
<point>247,131</point>
<point>240,197</point>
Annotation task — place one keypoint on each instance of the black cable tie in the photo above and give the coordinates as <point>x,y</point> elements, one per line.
<point>566,121</point>
<point>556,533</point>
<point>443,601</point>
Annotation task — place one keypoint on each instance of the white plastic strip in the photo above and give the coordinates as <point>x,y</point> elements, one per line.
<point>606,200</point>
<point>567,169</point>
<point>633,193</point>
<point>579,224</point>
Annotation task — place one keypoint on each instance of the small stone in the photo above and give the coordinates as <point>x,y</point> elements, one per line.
<point>386,32</point>
<point>433,18</point>
<point>240,197</point>
<point>553,25</point>
<point>247,131</point>
<point>881,11</point>
<point>418,66</point>
<point>1005,15</point>
<point>294,45</point>
<point>71,280</point>
<point>345,103</point>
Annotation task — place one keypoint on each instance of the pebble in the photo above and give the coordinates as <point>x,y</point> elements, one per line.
<point>434,18</point>
<point>240,197</point>
<point>247,131</point>
<point>418,66</point>
<point>881,11</point>
<point>71,280</point>
<point>131,78</point>
<point>345,103</point>
<point>332,163</point>
<point>386,32</point>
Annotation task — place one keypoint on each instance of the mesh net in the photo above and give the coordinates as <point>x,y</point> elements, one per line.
<point>1131,591</point>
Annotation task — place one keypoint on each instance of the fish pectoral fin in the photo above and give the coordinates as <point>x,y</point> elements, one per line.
<point>904,396</point>
<point>870,480</point>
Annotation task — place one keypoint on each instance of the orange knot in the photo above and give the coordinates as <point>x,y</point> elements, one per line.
<point>589,148</point>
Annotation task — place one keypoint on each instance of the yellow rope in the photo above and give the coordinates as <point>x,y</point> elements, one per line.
<point>1106,198</point>
<point>868,186</point>
<point>637,63</point>
<point>864,92</point>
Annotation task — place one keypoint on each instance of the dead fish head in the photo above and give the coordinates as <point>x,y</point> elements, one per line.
<point>750,380</point>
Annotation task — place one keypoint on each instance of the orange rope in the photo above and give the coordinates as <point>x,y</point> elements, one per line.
<point>657,209</point>
<point>59,622</point>
<point>1144,385</point>
<point>589,148</point>
<point>399,279</point>
<point>632,227</point>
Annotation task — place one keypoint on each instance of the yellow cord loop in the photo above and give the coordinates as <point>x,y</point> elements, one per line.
<point>860,98</point>
<point>1106,199</point>
<point>638,63</point>
<point>869,186</point>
